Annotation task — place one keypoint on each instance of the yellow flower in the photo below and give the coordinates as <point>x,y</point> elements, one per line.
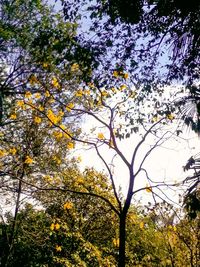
<point>41,108</point>
<point>57,160</point>
<point>37,120</point>
<point>13,151</point>
<point>80,181</point>
<point>148,189</point>
<point>58,248</point>
<point>101,136</point>
<point>33,80</point>
<point>48,178</point>
<point>113,89</point>
<point>122,87</point>
<point>91,85</point>
<point>79,93</point>
<point>115,73</point>
<point>155,119</point>
<point>67,135</point>
<point>45,65</point>
<point>57,226</point>
<point>133,94</point>
<point>170,117</point>
<point>70,145</point>
<point>104,93</point>
<point>53,118</point>
<point>52,227</point>
<point>116,242</point>
<point>51,100</point>
<point>62,126</point>
<point>79,159</point>
<point>61,113</point>
<point>13,116</point>
<point>70,106</point>
<point>141,225</point>
<point>125,75</point>
<point>57,134</point>
<point>28,160</point>
<point>38,95</point>
<point>20,103</point>
<point>28,94</point>
<point>75,67</point>
<point>68,206</point>
<point>55,82</point>
<point>47,94</point>
<point>2,153</point>
<point>87,92</point>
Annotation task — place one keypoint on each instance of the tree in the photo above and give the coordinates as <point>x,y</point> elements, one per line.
<point>55,101</point>
<point>36,40</point>
<point>120,29</point>
<point>99,105</point>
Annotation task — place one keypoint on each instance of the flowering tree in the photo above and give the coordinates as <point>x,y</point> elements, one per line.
<point>113,111</point>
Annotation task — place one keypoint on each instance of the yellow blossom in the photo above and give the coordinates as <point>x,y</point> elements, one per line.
<point>57,160</point>
<point>51,100</point>
<point>13,151</point>
<point>48,178</point>
<point>116,242</point>
<point>75,67</point>
<point>148,189</point>
<point>115,73</point>
<point>33,80</point>
<point>141,225</point>
<point>87,92</point>
<point>79,159</point>
<point>38,95</point>
<point>28,160</point>
<point>57,134</point>
<point>80,181</point>
<point>20,103</point>
<point>37,120</point>
<point>133,94</point>
<point>2,153</point>
<point>111,145</point>
<point>113,89</point>
<point>122,87</point>
<point>47,94</point>
<point>53,118</point>
<point>28,94</point>
<point>68,206</point>
<point>155,119</point>
<point>45,65</point>
<point>62,126</point>
<point>79,93</point>
<point>52,227</point>
<point>40,108</point>
<point>104,93</point>
<point>57,226</point>
<point>55,82</point>
<point>13,116</point>
<point>67,135</point>
<point>70,106</point>
<point>91,85</point>
<point>125,75</point>
<point>61,113</point>
<point>170,117</point>
<point>101,136</point>
<point>70,145</point>
<point>58,248</point>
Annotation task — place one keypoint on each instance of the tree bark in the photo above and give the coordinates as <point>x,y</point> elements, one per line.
<point>122,241</point>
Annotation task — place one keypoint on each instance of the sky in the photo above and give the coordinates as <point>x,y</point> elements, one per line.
<point>164,164</point>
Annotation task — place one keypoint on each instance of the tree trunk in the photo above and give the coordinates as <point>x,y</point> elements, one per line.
<point>122,241</point>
